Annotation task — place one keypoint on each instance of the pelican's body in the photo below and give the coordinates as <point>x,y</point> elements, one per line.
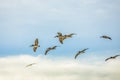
<point>113,57</point>
<point>50,48</point>
<point>106,37</point>
<point>35,45</point>
<point>80,52</point>
<point>60,37</point>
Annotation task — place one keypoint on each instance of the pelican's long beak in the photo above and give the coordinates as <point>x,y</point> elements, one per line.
<point>74,34</point>
<point>31,45</point>
<point>55,36</point>
<point>100,36</point>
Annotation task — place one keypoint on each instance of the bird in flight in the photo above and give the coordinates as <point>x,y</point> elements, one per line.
<point>80,52</point>
<point>112,57</point>
<point>106,37</point>
<point>50,48</point>
<point>31,64</point>
<point>63,37</point>
<point>35,45</point>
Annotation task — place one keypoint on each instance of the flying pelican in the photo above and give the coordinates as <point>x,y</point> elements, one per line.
<point>31,64</point>
<point>35,45</point>
<point>80,52</point>
<point>63,37</point>
<point>112,57</point>
<point>106,37</point>
<point>50,48</point>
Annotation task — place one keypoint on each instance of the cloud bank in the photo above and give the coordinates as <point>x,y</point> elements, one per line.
<point>13,68</point>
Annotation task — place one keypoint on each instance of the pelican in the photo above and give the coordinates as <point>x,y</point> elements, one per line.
<point>63,37</point>
<point>106,37</point>
<point>35,45</point>
<point>80,52</point>
<point>112,57</point>
<point>31,64</point>
<point>50,48</point>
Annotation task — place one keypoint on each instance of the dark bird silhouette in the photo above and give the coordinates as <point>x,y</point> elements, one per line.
<point>49,49</point>
<point>35,45</point>
<point>112,57</point>
<point>31,64</point>
<point>106,37</point>
<point>80,52</point>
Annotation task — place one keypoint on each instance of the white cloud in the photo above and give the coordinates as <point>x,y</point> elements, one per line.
<point>13,68</point>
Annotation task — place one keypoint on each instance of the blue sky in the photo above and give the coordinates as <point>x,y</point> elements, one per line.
<point>22,21</point>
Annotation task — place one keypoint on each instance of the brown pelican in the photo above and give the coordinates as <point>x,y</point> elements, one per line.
<point>63,37</point>
<point>35,45</point>
<point>113,57</point>
<point>106,37</point>
<point>50,48</point>
<point>31,64</point>
<point>80,52</point>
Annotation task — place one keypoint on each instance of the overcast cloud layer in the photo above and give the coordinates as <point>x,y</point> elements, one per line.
<point>13,68</point>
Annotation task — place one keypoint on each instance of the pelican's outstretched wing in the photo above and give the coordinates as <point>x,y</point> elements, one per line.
<point>54,47</point>
<point>108,58</point>
<point>31,64</point>
<point>78,54</point>
<point>48,49</point>
<point>106,37</point>
<point>85,49</point>
<point>70,35</point>
<point>82,51</point>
